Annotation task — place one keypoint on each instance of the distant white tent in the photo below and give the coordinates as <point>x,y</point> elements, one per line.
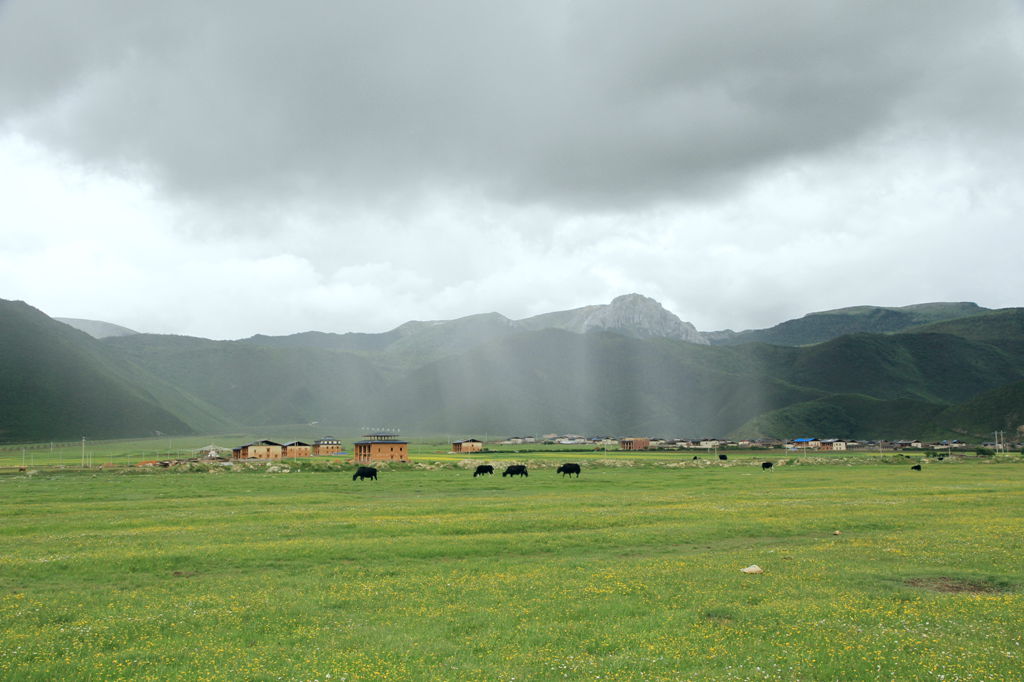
<point>212,450</point>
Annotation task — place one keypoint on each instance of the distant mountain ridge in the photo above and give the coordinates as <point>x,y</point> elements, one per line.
<point>409,344</point>
<point>823,326</point>
<point>632,315</point>
<point>626,367</point>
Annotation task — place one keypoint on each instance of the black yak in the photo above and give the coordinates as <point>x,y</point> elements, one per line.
<point>365,472</point>
<point>483,469</point>
<point>723,457</point>
<point>515,470</point>
<point>569,468</point>
<point>767,465</point>
<point>916,467</point>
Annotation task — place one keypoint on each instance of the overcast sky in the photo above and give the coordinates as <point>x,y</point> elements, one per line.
<point>223,169</point>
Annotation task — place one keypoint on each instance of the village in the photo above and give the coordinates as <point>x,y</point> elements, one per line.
<point>387,447</point>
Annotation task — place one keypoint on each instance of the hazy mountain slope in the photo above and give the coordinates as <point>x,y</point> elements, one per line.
<point>599,382</point>
<point>354,342</point>
<point>257,385</point>
<point>823,326</point>
<point>417,343</point>
<point>485,373</point>
<point>95,328</point>
<point>593,383</point>
<point>410,345</point>
<point>59,383</point>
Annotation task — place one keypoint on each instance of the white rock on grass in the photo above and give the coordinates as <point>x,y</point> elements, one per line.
<point>752,568</point>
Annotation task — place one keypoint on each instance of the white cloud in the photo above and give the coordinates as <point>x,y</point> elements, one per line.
<point>197,170</point>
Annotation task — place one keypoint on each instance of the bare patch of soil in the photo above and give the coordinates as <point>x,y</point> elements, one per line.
<point>956,585</point>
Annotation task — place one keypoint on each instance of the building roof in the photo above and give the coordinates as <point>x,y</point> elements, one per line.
<point>261,442</point>
<point>468,440</point>
<point>296,442</point>
<point>382,442</point>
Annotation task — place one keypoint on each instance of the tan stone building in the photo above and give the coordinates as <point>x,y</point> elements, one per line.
<point>635,443</point>
<point>380,447</point>
<point>297,449</point>
<point>327,445</point>
<point>468,445</point>
<point>260,449</point>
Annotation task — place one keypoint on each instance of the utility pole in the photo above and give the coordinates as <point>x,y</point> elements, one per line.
<point>83,451</point>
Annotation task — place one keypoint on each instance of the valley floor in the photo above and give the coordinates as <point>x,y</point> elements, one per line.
<point>622,574</point>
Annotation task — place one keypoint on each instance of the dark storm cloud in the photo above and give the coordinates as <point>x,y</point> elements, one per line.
<point>581,104</point>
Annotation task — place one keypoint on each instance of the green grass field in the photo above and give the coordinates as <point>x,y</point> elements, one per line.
<point>626,573</point>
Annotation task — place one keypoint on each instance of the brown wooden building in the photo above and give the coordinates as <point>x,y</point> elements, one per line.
<point>380,447</point>
<point>468,445</point>
<point>260,449</point>
<point>634,443</point>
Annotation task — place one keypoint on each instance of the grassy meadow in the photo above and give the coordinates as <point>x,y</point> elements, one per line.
<point>627,573</point>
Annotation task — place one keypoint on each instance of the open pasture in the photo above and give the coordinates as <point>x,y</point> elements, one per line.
<point>624,573</point>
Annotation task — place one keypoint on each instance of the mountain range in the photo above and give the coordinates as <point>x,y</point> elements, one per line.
<point>629,367</point>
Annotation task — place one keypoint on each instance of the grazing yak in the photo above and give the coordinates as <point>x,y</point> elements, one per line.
<point>483,469</point>
<point>916,467</point>
<point>569,468</point>
<point>767,465</point>
<point>515,470</point>
<point>365,472</point>
<point>723,457</point>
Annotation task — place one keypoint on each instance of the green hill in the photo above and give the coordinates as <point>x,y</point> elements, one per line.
<point>1001,409</point>
<point>858,416</point>
<point>484,374</point>
<point>934,367</point>
<point>847,416</point>
<point>60,383</point>
<point>823,326</point>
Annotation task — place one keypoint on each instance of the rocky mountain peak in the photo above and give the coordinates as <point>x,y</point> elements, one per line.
<point>642,317</point>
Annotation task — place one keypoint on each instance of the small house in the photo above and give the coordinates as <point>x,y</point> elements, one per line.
<point>468,445</point>
<point>297,449</point>
<point>260,449</point>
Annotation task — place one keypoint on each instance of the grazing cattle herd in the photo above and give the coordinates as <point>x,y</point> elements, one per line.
<point>567,469</point>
